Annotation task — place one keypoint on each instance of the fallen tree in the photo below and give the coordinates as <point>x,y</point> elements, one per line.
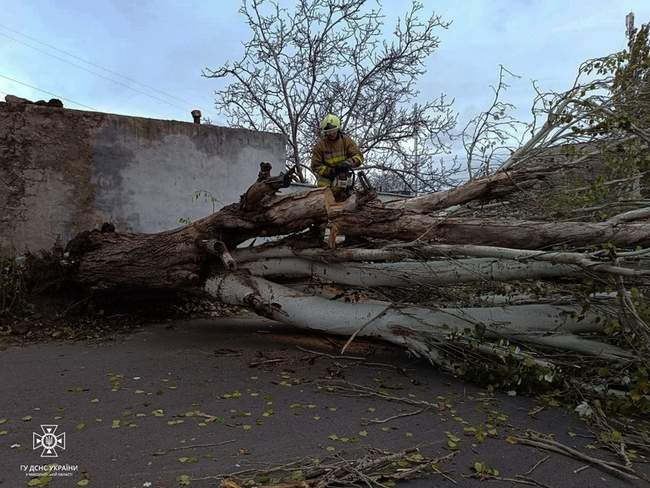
<point>204,254</point>
<point>420,279</point>
<point>416,272</point>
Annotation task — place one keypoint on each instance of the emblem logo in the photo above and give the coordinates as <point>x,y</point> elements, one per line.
<point>49,440</point>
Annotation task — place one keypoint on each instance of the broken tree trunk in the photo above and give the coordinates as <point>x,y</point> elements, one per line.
<point>178,258</point>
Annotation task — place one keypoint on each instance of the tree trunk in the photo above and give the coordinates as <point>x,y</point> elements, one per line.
<point>384,223</point>
<point>488,188</point>
<point>179,258</point>
<point>421,330</point>
<point>436,273</point>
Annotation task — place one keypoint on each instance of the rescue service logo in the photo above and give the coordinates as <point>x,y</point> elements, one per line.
<point>49,441</point>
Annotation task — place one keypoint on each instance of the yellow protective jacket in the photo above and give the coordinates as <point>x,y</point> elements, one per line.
<point>328,154</point>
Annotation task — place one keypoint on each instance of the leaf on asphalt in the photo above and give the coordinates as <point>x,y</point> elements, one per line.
<point>80,426</point>
<point>26,418</point>
<point>83,482</point>
<point>115,424</point>
<point>4,432</point>
<point>3,421</point>
<point>183,480</point>
<point>40,481</point>
<point>363,433</point>
<point>188,459</point>
<point>158,413</point>
<point>234,394</point>
<point>452,437</point>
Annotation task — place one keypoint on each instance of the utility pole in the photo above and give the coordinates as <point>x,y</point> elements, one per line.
<point>629,26</point>
<point>417,157</point>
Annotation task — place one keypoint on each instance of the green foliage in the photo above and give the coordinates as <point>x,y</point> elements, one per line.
<point>514,370</point>
<point>622,170</point>
<point>613,106</point>
<point>483,471</point>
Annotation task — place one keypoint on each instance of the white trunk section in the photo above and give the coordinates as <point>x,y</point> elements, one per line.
<point>409,273</point>
<point>417,328</point>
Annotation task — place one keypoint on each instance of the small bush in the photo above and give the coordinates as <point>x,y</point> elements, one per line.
<point>13,289</point>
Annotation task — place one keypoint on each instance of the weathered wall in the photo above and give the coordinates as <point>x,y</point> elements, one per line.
<point>63,171</point>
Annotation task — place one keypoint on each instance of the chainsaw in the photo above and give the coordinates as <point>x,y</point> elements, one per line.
<point>344,178</point>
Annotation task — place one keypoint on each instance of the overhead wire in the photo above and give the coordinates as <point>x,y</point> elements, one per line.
<point>91,63</point>
<point>125,85</point>
<point>48,92</point>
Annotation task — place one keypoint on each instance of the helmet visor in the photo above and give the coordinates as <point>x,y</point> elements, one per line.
<point>330,129</point>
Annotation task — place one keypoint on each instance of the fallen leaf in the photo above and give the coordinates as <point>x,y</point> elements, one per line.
<point>183,480</point>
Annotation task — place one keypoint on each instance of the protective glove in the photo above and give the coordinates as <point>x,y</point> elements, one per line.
<point>331,174</point>
<point>344,166</point>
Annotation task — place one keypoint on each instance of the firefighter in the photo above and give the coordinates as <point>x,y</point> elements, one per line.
<point>334,156</point>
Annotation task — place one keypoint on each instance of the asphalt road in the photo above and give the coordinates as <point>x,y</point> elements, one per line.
<point>131,407</point>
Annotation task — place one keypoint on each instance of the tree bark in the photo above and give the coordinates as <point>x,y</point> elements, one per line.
<point>422,330</point>
<point>436,273</point>
<point>178,258</point>
<point>488,188</point>
<point>409,226</point>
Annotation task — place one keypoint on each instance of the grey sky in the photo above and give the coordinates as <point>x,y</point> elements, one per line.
<point>164,45</point>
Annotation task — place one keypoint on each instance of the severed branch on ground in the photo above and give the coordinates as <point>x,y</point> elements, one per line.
<point>373,469</point>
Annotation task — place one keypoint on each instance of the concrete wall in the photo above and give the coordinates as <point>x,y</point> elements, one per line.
<point>63,171</point>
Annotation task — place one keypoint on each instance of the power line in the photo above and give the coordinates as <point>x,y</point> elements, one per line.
<point>48,92</point>
<point>78,58</point>
<point>93,72</point>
